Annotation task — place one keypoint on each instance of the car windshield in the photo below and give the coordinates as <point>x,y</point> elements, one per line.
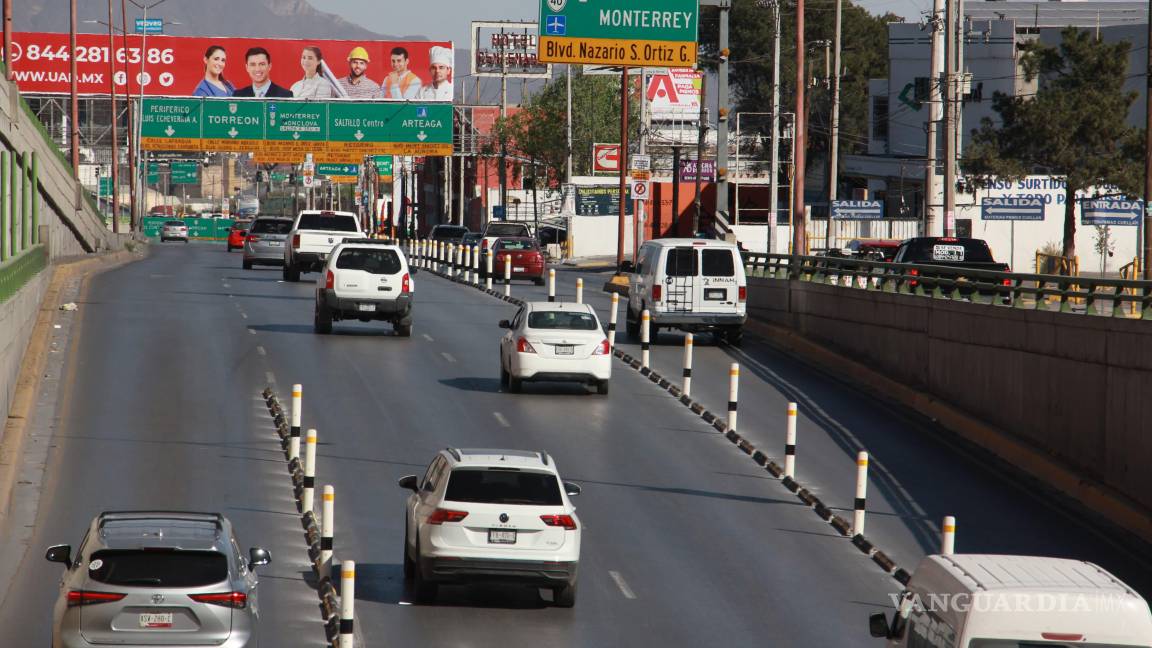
<point>503,486</point>
<point>571,321</point>
<point>158,568</point>
<point>272,226</point>
<point>374,261</point>
<point>506,229</point>
<point>327,221</point>
<point>515,244</point>
<point>174,223</point>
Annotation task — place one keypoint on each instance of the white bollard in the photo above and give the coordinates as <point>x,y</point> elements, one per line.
<point>688,341</point>
<point>488,269</point>
<point>508,275</point>
<point>476,265</point>
<point>309,472</point>
<point>468,264</point>
<point>790,443</point>
<point>861,493</point>
<point>733,394</point>
<point>347,603</point>
<point>612,321</point>
<point>552,284</point>
<point>459,259</point>
<point>580,290</point>
<point>424,252</point>
<point>297,404</point>
<point>645,324</point>
<point>328,530</point>
<point>948,536</point>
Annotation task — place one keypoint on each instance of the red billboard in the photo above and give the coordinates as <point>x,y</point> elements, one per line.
<point>236,67</point>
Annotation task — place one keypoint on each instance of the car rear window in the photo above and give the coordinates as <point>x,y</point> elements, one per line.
<point>506,229</point>
<point>561,320</point>
<point>270,226</point>
<point>945,250</point>
<point>242,226</point>
<point>516,244</point>
<point>682,262</point>
<point>718,263</point>
<point>369,260</point>
<point>174,223</point>
<point>332,222</point>
<point>503,486</point>
<point>158,568</point>
<point>443,233</point>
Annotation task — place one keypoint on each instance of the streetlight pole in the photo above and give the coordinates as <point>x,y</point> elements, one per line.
<point>8,34</point>
<point>800,141</point>
<point>834,139</point>
<point>73,106</point>
<point>138,173</point>
<point>115,202</point>
<point>1146,230</point>
<point>131,137</point>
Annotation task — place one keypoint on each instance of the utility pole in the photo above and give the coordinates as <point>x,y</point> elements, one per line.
<point>134,218</point>
<point>834,138</point>
<point>1146,229</point>
<point>800,141</point>
<point>935,109</point>
<point>950,118</point>
<point>503,168</point>
<point>73,106</point>
<point>8,34</point>
<point>700,150</point>
<point>623,164</point>
<point>115,148</point>
<point>774,198</point>
<point>568,81</point>
<point>722,120</point>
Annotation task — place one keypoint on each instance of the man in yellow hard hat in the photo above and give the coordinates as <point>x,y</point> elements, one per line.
<point>357,85</point>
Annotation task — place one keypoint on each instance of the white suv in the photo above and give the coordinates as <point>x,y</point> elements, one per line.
<point>491,515</point>
<point>365,280</point>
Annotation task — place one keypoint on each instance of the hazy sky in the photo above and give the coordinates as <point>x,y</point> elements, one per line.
<point>448,19</point>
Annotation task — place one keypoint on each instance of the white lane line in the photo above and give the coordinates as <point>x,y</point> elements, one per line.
<point>252,331</point>
<point>244,315</point>
<point>622,584</point>
<point>428,337</point>
<point>261,351</point>
<point>270,377</point>
<point>501,420</point>
<point>227,285</point>
<point>448,356</point>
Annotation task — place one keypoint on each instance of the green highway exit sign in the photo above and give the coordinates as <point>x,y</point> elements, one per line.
<point>635,33</point>
<point>338,169</point>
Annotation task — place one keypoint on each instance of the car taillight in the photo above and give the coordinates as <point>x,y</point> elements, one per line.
<point>914,272</point>
<point>295,241</point>
<point>565,521</point>
<point>440,516</point>
<point>657,291</point>
<point>406,284</point>
<point>85,597</point>
<point>234,600</point>
<point>742,292</point>
<point>523,346</point>
<point>330,280</point>
<point>602,348</point>
<point>253,237</point>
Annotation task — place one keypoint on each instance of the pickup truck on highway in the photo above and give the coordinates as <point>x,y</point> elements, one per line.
<point>949,252</point>
<point>314,234</point>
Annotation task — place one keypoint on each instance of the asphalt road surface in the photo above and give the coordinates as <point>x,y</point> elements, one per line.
<point>686,541</point>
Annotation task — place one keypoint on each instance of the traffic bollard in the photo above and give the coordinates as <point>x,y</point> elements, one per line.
<point>790,443</point>
<point>328,529</point>
<point>459,260</point>
<point>508,275</point>
<point>861,493</point>
<point>309,471</point>
<point>347,603</point>
<point>436,256</point>
<point>580,290</point>
<point>733,394</point>
<point>424,252</point>
<point>687,389</point>
<point>476,265</point>
<point>551,284</point>
<point>645,324</point>
<point>297,402</point>
<point>488,269</point>
<point>948,536</point>
<point>468,264</point>
<point>612,321</point>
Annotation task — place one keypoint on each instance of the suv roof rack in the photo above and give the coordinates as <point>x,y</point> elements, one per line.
<point>544,457</point>
<point>186,516</point>
<point>454,452</point>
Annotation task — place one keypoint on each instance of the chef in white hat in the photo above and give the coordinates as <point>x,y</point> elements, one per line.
<point>439,88</point>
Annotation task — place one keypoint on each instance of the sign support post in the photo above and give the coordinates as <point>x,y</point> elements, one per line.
<point>623,163</point>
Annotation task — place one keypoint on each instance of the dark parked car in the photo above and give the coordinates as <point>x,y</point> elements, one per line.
<point>448,233</point>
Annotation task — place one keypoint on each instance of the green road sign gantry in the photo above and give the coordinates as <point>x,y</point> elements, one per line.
<point>653,33</point>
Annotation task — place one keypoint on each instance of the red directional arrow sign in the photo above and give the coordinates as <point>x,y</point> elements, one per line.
<point>606,158</point>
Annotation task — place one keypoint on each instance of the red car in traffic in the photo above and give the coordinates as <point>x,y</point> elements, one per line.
<point>237,233</point>
<point>527,259</point>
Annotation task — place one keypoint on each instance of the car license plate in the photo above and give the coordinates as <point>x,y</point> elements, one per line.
<point>564,349</point>
<point>366,307</point>
<point>275,243</point>
<point>517,269</point>
<point>156,620</point>
<point>715,294</point>
<point>501,536</point>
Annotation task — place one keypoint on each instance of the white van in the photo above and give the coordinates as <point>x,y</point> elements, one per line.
<point>988,601</point>
<point>689,284</point>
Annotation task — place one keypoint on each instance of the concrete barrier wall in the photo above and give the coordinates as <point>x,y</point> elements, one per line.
<point>1075,386</point>
<point>17,317</point>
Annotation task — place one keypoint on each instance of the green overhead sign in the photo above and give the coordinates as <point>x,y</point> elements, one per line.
<point>338,169</point>
<point>638,33</point>
<point>383,164</point>
<point>184,172</point>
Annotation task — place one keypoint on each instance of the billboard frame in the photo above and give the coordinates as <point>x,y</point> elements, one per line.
<point>529,27</point>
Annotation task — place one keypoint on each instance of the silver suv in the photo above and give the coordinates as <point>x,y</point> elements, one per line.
<point>157,578</point>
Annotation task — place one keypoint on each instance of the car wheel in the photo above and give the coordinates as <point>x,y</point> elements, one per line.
<point>602,388</point>
<point>539,281</point>
<point>322,323</point>
<point>404,330</point>
<point>409,564</point>
<point>503,377</point>
<point>565,596</point>
<point>734,336</point>
<point>229,248</point>
<point>423,590</point>
<point>291,273</point>
<point>247,264</point>
<point>515,385</point>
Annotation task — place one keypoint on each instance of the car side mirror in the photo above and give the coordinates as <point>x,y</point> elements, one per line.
<point>410,482</point>
<point>571,489</point>
<point>627,266</point>
<point>878,626</point>
<point>60,554</point>
<point>258,557</point>
<point>505,324</point>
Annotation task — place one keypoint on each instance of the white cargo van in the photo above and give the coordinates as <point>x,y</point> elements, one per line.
<point>989,601</point>
<point>690,284</point>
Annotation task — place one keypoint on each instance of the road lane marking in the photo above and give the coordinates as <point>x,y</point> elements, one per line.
<point>448,356</point>
<point>428,337</point>
<point>500,419</point>
<point>252,331</point>
<point>244,315</point>
<point>622,584</point>
<point>270,377</point>
<point>261,351</point>
<point>227,285</point>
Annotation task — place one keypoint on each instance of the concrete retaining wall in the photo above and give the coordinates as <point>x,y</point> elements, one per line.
<point>17,317</point>
<point>1075,386</point>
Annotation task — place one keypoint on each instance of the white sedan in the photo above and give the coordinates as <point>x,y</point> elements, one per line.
<point>553,341</point>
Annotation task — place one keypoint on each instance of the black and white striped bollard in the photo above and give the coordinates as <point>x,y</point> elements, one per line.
<point>476,265</point>
<point>306,499</point>
<point>688,341</point>
<point>612,321</point>
<point>551,284</point>
<point>733,394</point>
<point>488,268</point>
<point>347,603</point>
<point>790,443</point>
<point>645,323</point>
<point>297,404</point>
<point>328,530</point>
<point>508,275</point>
<point>861,493</point>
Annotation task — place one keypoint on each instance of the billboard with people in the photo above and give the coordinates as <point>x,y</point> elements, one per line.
<point>236,67</point>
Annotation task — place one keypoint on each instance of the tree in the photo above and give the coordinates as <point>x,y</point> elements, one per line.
<point>1075,125</point>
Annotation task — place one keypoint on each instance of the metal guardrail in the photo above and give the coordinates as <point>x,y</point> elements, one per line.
<point>18,270</point>
<point>1076,295</point>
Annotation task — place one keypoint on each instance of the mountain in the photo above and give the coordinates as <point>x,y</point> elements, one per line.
<point>258,18</point>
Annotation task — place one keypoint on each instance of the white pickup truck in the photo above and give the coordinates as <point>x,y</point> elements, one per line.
<point>314,234</point>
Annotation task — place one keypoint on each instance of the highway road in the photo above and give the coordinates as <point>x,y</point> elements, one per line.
<point>686,541</point>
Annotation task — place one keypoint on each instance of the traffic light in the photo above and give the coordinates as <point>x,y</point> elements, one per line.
<point>292,178</point>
